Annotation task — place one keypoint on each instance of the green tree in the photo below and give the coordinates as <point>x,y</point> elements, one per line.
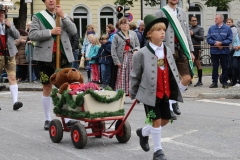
<point>209,3</point>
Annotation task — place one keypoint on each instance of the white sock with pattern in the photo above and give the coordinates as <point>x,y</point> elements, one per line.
<point>182,88</point>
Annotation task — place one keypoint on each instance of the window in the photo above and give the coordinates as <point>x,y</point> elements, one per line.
<point>223,11</point>
<point>80,17</point>
<point>106,17</point>
<point>195,11</point>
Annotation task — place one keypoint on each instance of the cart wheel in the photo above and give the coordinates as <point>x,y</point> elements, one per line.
<point>98,127</point>
<point>124,134</point>
<point>79,136</point>
<point>56,130</point>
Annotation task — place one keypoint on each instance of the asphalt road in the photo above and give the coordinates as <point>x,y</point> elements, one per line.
<point>206,130</point>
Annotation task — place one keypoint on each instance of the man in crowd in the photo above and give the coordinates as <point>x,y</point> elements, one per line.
<point>219,37</point>
<point>8,50</point>
<point>43,31</point>
<point>139,32</point>
<point>197,35</point>
<point>74,40</point>
<point>182,49</point>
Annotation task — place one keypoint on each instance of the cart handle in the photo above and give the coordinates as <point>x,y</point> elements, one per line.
<point>128,113</point>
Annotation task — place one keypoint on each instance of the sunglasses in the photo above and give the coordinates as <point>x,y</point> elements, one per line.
<point>193,20</point>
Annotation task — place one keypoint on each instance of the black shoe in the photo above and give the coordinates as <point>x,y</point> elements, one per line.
<point>46,125</point>
<point>159,155</point>
<point>143,140</point>
<point>198,84</point>
<point>17,105</point>
<point>213,85</point>
<point>2,87</point>
<point>174,117</point>
<point>70,123</point>
<point>225,86</point>
<point>232,84</point>
<point>176,109</point>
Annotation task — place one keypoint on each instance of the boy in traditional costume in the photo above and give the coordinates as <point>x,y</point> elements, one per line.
<point>153,81</point>
<point>43,30</point>
<point>179,41</point>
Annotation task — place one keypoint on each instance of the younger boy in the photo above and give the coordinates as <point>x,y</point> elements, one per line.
<point>105,60</point>
<point>153,81</point>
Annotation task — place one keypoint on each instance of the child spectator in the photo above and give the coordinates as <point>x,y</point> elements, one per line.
<point>105,60</point>
<point>94,63</point>
<point>88,66</point>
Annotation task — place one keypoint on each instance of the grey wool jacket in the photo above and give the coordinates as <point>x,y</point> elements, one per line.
<point>44,41</point>
<point>13,34</point>
<point>143,77</point>
<point>118,45</point>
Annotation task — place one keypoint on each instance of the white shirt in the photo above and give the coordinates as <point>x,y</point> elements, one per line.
<point>174,10</point>
<point>2,28</point>
<point>159,51</point>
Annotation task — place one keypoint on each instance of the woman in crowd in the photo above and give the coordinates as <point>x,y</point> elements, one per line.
<point>21,61</point>
<point>125,43</point>
<point>231,71</point>
<point>110,29</point>
<point>132,26</point>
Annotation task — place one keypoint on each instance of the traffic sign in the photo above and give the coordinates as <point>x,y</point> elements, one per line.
<point>130,17</point>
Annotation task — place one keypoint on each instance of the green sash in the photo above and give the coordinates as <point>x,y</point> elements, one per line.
<point>47,25</point>
<point>185,48</point>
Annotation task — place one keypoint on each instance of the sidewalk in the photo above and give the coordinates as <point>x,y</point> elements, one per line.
<point>203,92</point>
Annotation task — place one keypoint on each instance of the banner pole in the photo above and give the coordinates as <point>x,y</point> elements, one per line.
<point>57,39</point>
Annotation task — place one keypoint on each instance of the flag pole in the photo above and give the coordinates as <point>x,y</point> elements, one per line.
<point>57,39</point>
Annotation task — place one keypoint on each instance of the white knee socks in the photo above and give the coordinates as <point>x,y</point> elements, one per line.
<point>156,137</point>
<point>47,102</point>
<point>182,88</point>
<point>146,130</point>
<point>170,104</point>
<point>14,92</point>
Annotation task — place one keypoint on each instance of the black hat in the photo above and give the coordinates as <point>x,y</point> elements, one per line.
<point>150,20</point>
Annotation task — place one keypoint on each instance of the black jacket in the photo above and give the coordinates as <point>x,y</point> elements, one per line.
<point>104,54</point>
<point>74,40</point>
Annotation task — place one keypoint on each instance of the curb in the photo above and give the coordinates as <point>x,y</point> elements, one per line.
<point>218,96</point>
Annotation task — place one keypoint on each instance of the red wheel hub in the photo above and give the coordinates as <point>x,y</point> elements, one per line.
<point>53,131</point>
<point>76,136</point>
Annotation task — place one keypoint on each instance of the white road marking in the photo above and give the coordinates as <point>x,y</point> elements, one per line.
<point>167,139</point>
<point>200,149</point>
<point>207,151</point>
<point>219,102</point>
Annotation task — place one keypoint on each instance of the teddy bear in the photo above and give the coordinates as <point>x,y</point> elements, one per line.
<point>64,78</point>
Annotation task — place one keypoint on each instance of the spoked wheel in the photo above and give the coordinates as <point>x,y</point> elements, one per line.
<point>98,127</point>
<point>124,134</point>
<point>79,136</point>
<point>56,130</point>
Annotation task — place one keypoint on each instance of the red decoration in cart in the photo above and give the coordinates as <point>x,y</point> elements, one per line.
<point>84,87</point>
